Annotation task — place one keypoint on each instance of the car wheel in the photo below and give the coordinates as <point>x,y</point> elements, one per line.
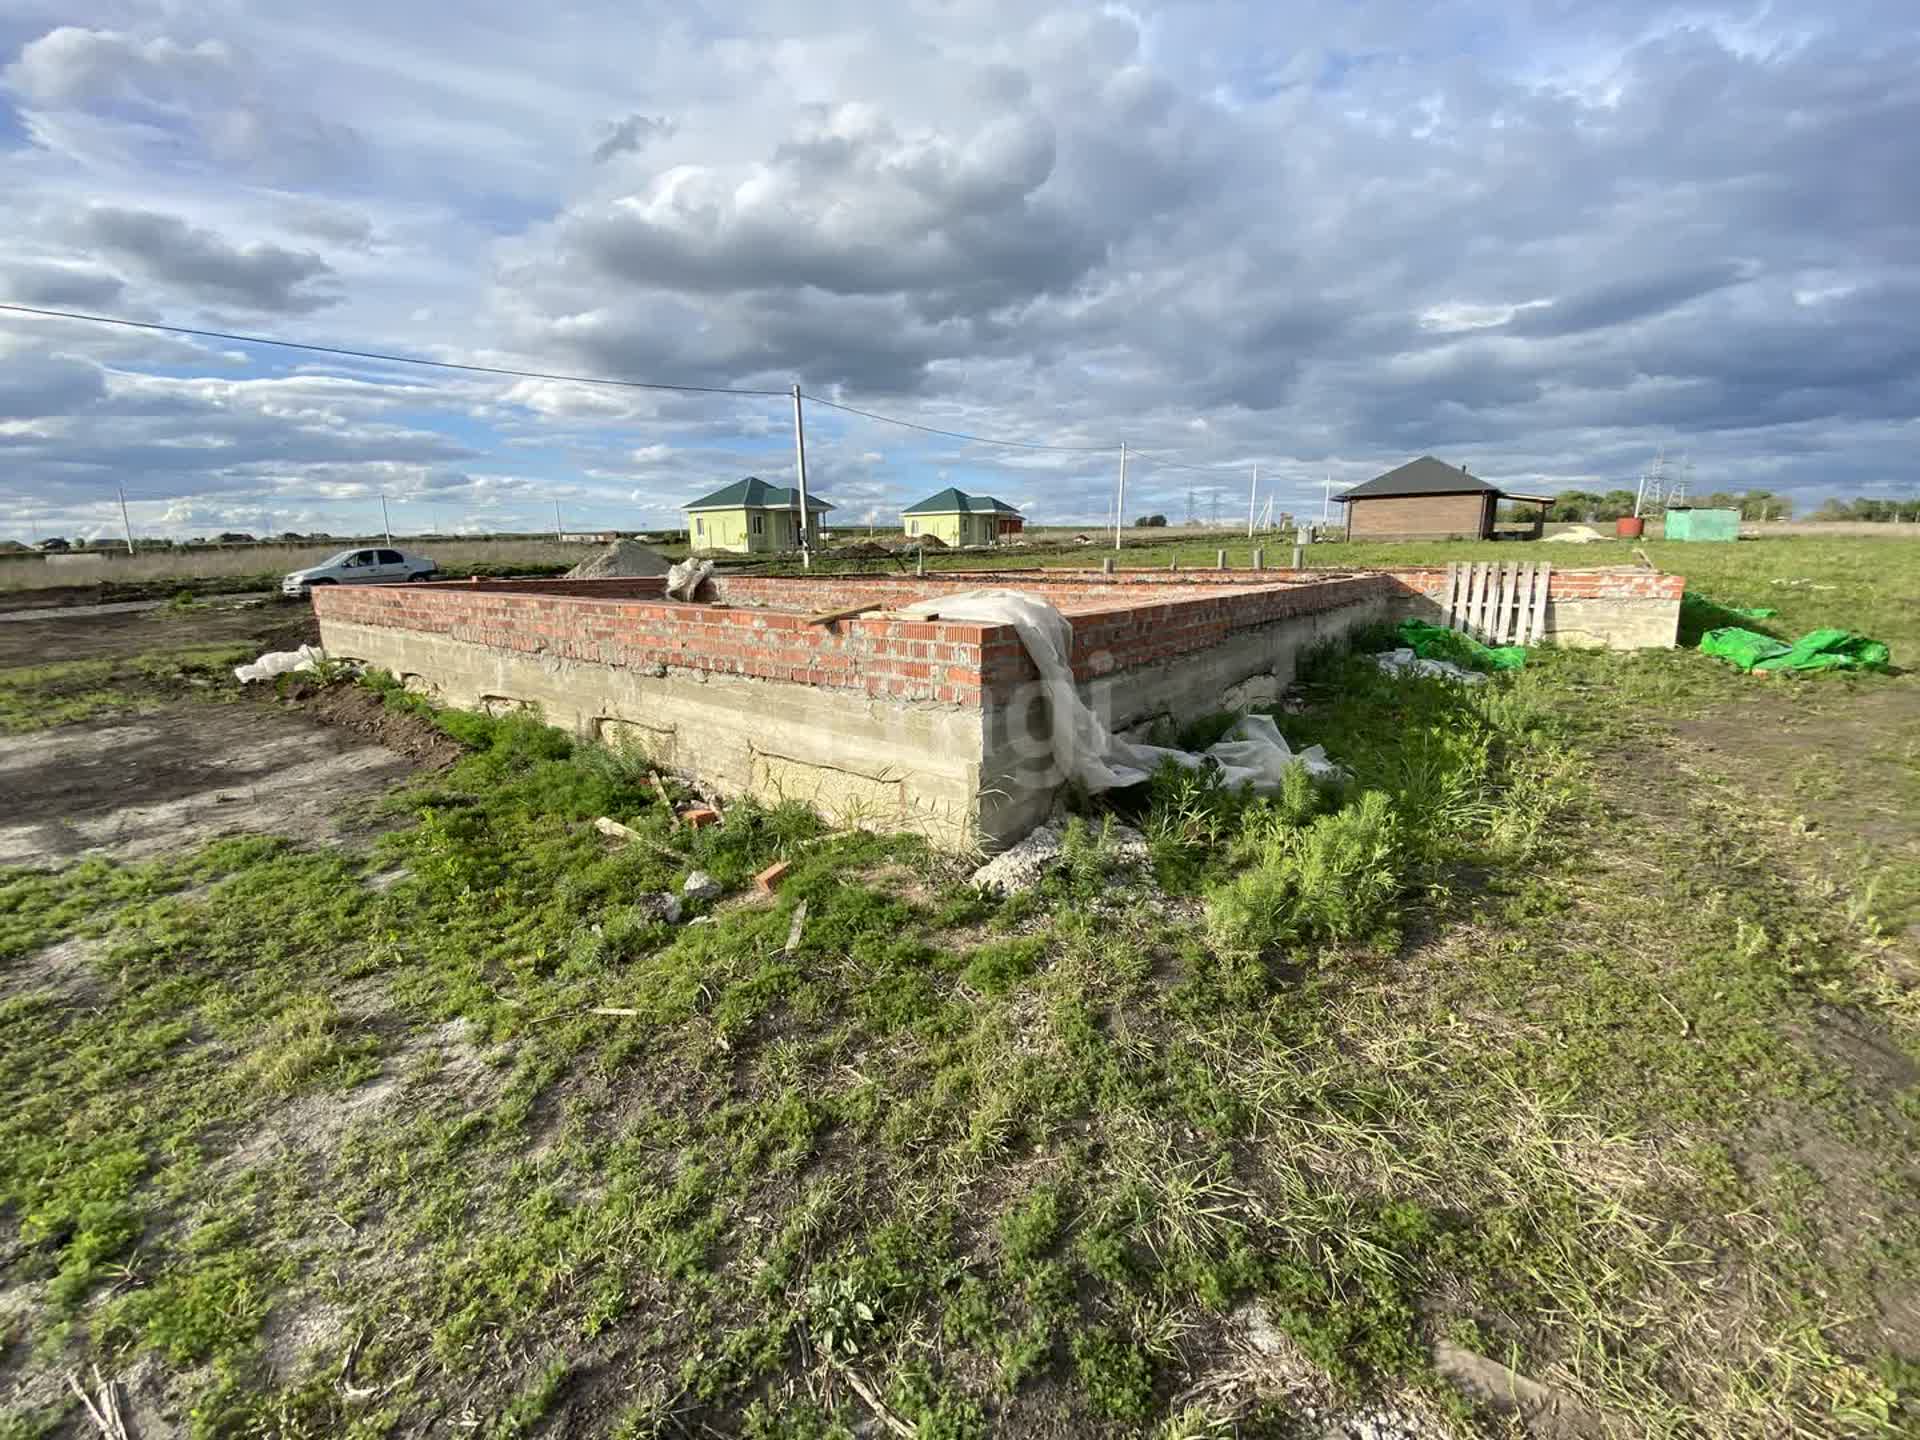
<point>312,583</point>
<point>418,576</point>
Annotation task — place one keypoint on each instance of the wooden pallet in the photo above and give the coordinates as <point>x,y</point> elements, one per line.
<point>1498,604</point>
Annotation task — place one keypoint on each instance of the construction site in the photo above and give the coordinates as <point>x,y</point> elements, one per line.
<point>829,692</point>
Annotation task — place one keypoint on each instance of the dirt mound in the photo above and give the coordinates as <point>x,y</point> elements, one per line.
<point>910,543</point>
<point>355,708</point>
<point>622,560</point>
<point>859,550</point>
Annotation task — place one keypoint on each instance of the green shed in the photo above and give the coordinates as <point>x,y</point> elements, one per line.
<point>1690,524</point>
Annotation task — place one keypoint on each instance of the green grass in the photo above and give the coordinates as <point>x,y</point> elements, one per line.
<point>66,691</point>
<point>1508,1040</point>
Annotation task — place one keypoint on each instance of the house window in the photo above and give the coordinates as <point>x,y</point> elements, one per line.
<point>913,527</point>
<point>759,524</point>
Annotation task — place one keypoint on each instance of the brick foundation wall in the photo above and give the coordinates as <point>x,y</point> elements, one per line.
<point>903,660</point>
<point>1617,582</point>
<point>1118,624</point>
<point>1123,622</point>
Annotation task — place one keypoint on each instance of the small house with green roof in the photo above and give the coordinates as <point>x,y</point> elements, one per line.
<point>750,516</point>
<point>961,519</point>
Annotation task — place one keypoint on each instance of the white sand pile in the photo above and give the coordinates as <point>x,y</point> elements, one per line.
<point>624,559</point>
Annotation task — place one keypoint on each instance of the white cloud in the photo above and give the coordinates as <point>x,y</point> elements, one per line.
<point>1328,248</point>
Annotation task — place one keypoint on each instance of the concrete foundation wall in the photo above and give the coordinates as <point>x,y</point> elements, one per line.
<point>885,764</point>
<point>941,727</point>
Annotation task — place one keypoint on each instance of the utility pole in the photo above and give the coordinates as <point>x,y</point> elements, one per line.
<point>556,522</point>
<point>126,525</point>
<point>1213,508</point>
<point>800,465</point>
<point>386,525</point>
<point>1253,498</point>
<point>1189,507</point>
<point>1326,500</point>
<point>1120,497</point>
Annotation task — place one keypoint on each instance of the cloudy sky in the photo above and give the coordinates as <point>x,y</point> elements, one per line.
<point>1540,238</point>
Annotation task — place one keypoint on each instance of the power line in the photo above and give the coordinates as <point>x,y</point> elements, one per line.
<point>378,355</point>
<point>961,434</point>
<point>656,385</point>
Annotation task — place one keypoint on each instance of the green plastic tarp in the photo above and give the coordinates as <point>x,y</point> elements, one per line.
<point>1434,642</point>
<point>1816,650</point>
<point>1698,614</point>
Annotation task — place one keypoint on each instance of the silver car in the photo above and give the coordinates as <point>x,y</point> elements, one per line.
<point>360,567</point>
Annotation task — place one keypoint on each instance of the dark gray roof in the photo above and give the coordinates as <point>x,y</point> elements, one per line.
<point>952,500</point>
<point>753,493</point>
<point>1425,476</point>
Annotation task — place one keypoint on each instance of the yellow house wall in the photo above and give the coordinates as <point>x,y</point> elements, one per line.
<point>733,530</point>
<point>954,528</point>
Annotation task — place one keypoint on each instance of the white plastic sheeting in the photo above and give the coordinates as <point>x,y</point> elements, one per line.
<point>685,579</point>
<point>1405,662</point>
<point>279,662</point>
<point>1252,753</point>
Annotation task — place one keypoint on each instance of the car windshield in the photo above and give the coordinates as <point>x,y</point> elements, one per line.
<point>333,560</point>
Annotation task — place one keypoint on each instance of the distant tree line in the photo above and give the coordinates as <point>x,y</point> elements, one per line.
<point>1884,511</point>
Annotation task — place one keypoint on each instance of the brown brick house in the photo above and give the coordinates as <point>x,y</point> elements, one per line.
<point>1427,499</point>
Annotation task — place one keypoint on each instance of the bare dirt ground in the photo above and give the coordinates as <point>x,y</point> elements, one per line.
<point>1843,775</point>
<point>185,774</point>
<point>191,767</point>
<point>85,634</point>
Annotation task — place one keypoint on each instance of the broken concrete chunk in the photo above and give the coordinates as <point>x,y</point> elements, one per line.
<point>700,886</point>
<point>661,905</point>
<point>1254,690</point>
<point>1020,867</point>
<point>1548,1411</point>
<point>614,830</point>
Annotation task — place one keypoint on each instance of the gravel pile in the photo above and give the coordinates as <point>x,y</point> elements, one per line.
<point>622,560</point>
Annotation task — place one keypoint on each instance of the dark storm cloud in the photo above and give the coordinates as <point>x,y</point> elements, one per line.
<point>202,267</point>
<point>1616,302</point>
<point>52,387</point>
<point>62,287</point>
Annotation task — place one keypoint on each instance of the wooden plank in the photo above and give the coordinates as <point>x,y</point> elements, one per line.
<point>1489,600</point>
<point>1503,611</point>
<point>1543,582</point>
<point>827,617</point>
<point>660,789</point>
<point>1453,593</point>
<point>1485,567</point>
<point>1463,616</point>
<point>1523,604</point>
